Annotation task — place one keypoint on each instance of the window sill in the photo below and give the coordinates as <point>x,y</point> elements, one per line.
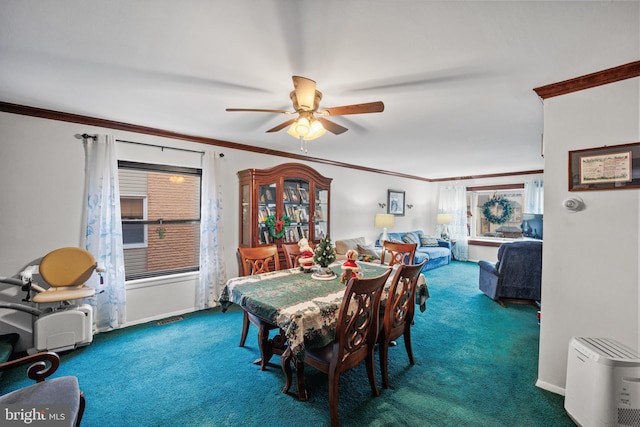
<point>495,241</point>
<point>159,280</point>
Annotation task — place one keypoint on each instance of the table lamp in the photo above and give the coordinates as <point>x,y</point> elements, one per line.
<point>384,221</point>
<point>443,221</point>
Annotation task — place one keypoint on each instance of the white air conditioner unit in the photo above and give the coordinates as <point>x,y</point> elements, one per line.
<point>603,383</point>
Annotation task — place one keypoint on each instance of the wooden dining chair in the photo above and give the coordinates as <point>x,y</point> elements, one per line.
<point>397,314</point>
<point>398,253</point>
<point>356,335</point>
<point>292,253</point>
<point>261,259</point>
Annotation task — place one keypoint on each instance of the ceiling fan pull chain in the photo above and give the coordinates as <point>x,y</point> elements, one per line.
<point>303,144</point>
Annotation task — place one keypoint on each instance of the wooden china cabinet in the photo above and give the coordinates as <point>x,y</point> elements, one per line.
<point>290,190</point>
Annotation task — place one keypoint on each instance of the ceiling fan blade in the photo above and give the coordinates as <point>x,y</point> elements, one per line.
<point>370,107</point>
<point>305,90</point>
<point>281,126</point>
<point>331,126</point>
<point>260,110</point>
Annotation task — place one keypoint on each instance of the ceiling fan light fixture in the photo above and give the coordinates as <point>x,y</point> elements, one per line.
<point>306,130</point>
<point>297,130</point>
<point>317,130</point>
<point>303,127</point>
<point>306,102</point>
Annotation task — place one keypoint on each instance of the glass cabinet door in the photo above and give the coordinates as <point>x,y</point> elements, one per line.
<point>245,220</point>
<point>321,215</point>
<point>266,213</point>
<point>296,206</point>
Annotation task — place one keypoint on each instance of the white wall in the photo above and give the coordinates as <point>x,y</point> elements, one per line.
<point>42,175</point>
<point>590,283</point>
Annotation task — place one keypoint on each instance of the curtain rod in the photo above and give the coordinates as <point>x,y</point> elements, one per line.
<point>161,147</point>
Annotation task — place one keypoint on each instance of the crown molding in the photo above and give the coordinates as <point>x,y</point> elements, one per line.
<point>111,124</point>
<point>611,75</point>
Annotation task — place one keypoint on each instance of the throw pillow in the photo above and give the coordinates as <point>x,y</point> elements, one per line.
<point>411,238</point>
<point>393,239</point>
<point>368,252</point>
<point>428,241</point>
<point>342,246</point>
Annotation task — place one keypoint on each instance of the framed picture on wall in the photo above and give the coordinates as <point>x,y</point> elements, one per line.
<point>395,202</point>
<point>611,167</point>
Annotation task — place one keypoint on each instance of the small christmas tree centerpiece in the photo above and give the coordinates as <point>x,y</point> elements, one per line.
<point>324,255</point>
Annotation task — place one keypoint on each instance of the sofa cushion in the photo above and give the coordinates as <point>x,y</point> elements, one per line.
<point>391,237</point>
<point>395,237</point>
<point>428,241</point>
<point>434,251</point>
<point>420,256</point>
<point>411,238</point>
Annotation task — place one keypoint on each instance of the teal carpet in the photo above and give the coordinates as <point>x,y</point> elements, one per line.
<point>476,365</point>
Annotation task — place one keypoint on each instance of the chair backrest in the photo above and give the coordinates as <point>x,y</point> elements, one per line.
<point>292,253</point>
<point>520,266</point>
<point>261,259</point>
<point>358,319</point>
<point>398,253</point>
<point>400,304</point>
<point>67,267</point>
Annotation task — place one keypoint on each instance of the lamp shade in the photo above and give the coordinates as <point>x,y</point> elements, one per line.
<point>384,220</point>
<point>445,218</point>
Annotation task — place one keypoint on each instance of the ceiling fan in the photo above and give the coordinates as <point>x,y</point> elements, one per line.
<point>306,100</point>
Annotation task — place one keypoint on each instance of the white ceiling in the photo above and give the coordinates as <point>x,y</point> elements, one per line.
<point>456,78</point>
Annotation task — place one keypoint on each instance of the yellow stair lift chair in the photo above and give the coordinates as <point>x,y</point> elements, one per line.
<point>64,324</point>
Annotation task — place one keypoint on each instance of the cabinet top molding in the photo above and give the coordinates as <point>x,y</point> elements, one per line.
<point>289,170</point>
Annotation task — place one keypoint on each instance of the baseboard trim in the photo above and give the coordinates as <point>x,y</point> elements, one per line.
<point>550,387</point>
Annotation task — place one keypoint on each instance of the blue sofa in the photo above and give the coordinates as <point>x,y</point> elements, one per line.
<point>516,275</point>
<point>437,251</point>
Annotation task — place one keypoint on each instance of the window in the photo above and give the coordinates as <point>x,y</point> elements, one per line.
<point>495,212</point>
<point>134,235</point>
<point>160,211</point>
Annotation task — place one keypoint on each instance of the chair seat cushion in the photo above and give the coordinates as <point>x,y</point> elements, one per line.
<point>321,356</point>
<point>56,391</point>
<point>258,321</point>
<point>64,294</point>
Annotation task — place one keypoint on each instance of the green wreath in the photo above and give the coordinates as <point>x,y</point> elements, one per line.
<point>504,213</point>
<point>277,228</point>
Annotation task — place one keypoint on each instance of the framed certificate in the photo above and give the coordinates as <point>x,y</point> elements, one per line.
<point>605,168</point>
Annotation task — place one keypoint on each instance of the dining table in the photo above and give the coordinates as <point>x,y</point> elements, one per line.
<point>302,306</point>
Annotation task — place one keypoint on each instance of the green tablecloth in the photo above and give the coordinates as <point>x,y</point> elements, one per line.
<point>305,308</point>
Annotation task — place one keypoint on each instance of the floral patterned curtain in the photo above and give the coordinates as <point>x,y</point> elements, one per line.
<point>103,231</point>
<point>453,200</point>
<point>212,268</point>
<point>534,197</point>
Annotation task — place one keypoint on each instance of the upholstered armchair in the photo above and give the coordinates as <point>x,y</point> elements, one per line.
<point>518,273</point>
